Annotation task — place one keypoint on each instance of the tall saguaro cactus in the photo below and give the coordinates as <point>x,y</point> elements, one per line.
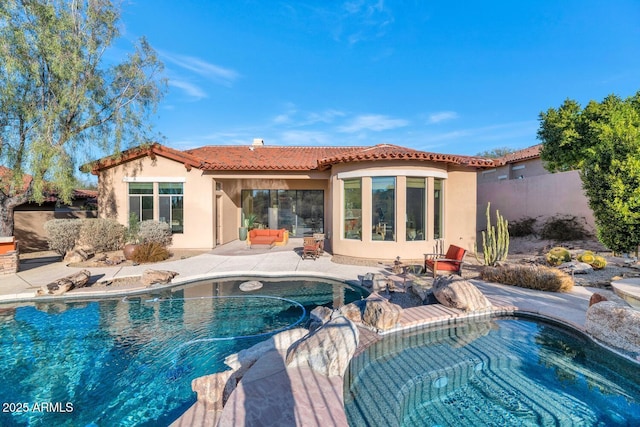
<point>495,240</point>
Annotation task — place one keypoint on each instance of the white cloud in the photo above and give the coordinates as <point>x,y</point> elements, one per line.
<point>374,122</point>
<point>442,116</point>
<point>189,88</point>
<point>219,74</point>
<point>497,132</point>
<point>306,119</point>
<point>326,116</point>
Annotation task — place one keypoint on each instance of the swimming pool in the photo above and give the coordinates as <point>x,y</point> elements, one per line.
<point>130,361</point>
<point>507,372</point>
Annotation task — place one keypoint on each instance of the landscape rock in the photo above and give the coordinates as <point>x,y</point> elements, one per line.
<point>381,283</point>
<point>244,359</point>
<point>150,277</point>
<point>328,350</point>
<point>79,254</point>
<point>321,314</point>
<point>614,324</point>
<point>214,390</point>
<point>60,286</point>
<point>352,312</point>
<point>575,267</point>
<point>596,298</point>
<point>381,314</point>
<point>456,292</point>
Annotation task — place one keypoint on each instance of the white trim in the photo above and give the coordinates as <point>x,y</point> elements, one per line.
<point>488,171</point>
<point>392,172</point>
<point>501,177</point>
<point>515,168</point>
<point>154,179</point>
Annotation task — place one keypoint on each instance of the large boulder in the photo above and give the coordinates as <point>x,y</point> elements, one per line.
<point>352,311</point>
<point>150,277</point>
<point>243,360</point>
<point>328,350</point>
<point>614,324</point>
<point>381,314</point>
<point>214,390</point>
<point>456,292</point>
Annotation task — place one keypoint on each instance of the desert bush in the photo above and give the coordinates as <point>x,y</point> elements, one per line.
<point>563,229</point>
<point>558,255</point>
<point>529,276</point>
<point>150,252</point>
<point>102,234</point>
<point>523,227</point>
<point>155,232</point>
<point>62,234</point>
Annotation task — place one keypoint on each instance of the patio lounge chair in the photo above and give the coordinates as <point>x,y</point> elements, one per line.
<point>310,247</point>
<point>451,261</point>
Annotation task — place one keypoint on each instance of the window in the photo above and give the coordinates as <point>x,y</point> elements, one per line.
<point>383,202</point>
<point>353,209</point>
<point>299,211</point>
<point>438,205</point>
<point>416,208</point>
<point>141,200</point>
<point>171,205</point>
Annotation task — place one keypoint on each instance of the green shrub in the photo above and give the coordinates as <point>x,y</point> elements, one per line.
<point>557,256</point>
<point>155,232</point>
<point>150,252</point>
<point>523,227</point>
<point>62,234</point>
<point>529,276</point>
<point>563,229</point>
<point>102,234</point>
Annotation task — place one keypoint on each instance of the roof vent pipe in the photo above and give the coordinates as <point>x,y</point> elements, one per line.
<point>258,141</point>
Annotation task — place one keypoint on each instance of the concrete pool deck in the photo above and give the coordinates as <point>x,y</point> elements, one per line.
<point>296,386</point>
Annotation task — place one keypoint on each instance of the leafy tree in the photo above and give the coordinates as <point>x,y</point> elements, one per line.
<point>495,153</point>
<point>59,101</point>
<point>602,141</point>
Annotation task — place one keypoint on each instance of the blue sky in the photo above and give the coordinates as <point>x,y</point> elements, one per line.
<point>443,76</point>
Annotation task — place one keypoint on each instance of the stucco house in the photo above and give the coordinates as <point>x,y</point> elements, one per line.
<point>520,187</point>
<point>378,201</point>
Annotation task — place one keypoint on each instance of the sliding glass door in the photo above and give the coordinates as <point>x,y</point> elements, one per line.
<point>299,211</point>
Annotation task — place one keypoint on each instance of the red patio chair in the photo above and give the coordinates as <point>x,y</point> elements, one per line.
<point>451,261</point>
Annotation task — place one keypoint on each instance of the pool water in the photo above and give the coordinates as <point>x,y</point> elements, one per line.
<point>130,361</point>
<point>508,372</point>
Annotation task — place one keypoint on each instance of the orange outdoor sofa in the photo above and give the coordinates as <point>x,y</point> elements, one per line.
<point>267,237</point>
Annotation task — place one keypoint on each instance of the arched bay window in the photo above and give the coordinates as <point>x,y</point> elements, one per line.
<point>402,205</point>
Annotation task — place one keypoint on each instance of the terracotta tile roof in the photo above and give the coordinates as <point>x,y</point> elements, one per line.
<point>265,158</point>
<point>137,152</point>
<point>283,158</point>
<point>528,153</point>
<point>392,152</point>
<point>6,175</point>
<point>51,195</point>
